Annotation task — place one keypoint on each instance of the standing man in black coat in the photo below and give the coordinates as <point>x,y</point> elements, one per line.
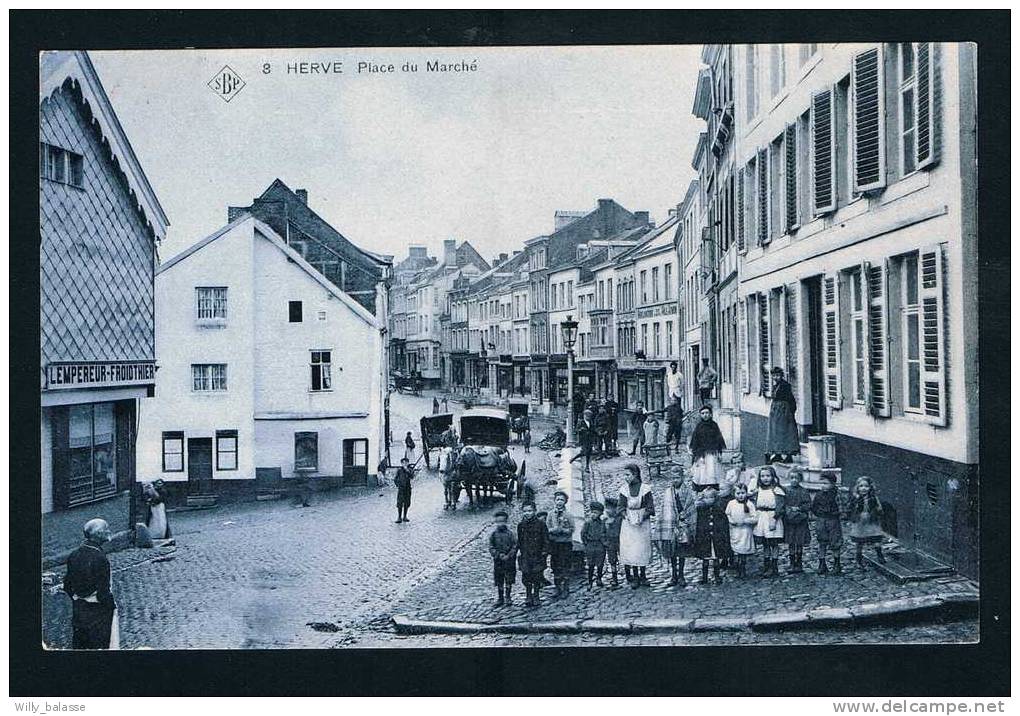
<point>403,483</point>
<point>88,585</point>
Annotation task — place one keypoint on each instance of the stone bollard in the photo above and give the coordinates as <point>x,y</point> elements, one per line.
<point>142,537</point>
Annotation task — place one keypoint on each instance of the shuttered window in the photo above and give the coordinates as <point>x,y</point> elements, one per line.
<point>742,346</point>
<point>927,105</point>
<point>764,345</point>
<point>763,197</point>
<point>741,209</point>
<point>792,214</point>
<point>932,336</point>
<point>830,312</point>
<point>877,292</point>
<point>868,128</point>
<point>823,152</point>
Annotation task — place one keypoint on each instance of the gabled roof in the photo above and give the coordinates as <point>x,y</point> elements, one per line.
<point>55,69</point>
<point>291,254</point>
<point>295,202</point>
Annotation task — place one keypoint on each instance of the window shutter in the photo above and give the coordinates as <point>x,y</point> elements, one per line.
<point>876,286</point>
<point>933,363</point>
<point>927,106</point>
<point>830,311</point>
<point>792,220</point>
<point>741,241</point>
<point>790,294</point>
<point>764,345</point>
<point>763,197</point>
<point>742,347</point>
<point>868,126</point>
<point>823,152</point>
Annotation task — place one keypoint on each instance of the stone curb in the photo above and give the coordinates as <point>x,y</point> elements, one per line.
<point>930,607</point>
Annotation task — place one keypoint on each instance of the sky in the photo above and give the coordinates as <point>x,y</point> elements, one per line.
<point>398,158</point>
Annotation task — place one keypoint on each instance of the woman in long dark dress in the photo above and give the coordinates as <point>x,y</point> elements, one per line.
<point>783,440</point>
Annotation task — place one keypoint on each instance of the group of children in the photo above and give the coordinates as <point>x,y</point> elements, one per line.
<point>722,525</point>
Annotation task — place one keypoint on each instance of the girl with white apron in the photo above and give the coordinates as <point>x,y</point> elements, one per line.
<point>636,528</point>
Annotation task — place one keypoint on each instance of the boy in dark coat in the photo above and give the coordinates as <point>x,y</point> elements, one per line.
<point>594,536</point>
<point>712,534</point>
<point>614,518</point>
<point>532,547</point>
<point>403,483</point>
<point>828,528</point>
<point>503,548</point>
<point>795,521</point>
<point>637,425</point>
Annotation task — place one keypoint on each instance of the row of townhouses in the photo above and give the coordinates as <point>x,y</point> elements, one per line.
<point>831,231</point>
<point>253,357</point>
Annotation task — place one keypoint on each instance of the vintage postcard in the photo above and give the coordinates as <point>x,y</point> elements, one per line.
<point>643,345</point>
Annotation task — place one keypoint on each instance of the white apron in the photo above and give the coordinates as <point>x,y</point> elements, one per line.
<point>765,501</point>
<point>635,535</point>
<point>707,470</point>
<point>742,526</point>
<point>157,521</point>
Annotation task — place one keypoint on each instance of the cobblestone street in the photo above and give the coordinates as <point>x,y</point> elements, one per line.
<point>265,575</point>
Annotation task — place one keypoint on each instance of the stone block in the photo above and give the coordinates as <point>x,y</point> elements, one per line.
<point>142,537</point>
<point>720,624</point>
<point>605,626</point>
<point>565,626</point>
<point>829,616</point>
<point>779,621</point>
<point>676,624</point>
<point>893,610</point>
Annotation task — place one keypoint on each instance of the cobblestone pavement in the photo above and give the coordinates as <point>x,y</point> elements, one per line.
<point>255,575</point>
<point>464,592</point>
<point>265,575</point>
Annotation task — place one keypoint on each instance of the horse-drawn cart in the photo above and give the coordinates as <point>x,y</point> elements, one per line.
<point>484,466</point>
<point>519,421</point>
<point>433,431</point>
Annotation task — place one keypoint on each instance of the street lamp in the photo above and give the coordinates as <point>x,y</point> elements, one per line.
<point>569,328</point>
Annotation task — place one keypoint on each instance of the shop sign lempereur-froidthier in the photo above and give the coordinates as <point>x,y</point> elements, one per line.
<point>99,374</point>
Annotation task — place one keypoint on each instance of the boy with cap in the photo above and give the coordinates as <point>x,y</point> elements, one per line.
<point>503,548</point>
<point>532,546</point>
<point>561,533</point>
<point>594,537</point>
<point>613,519</point>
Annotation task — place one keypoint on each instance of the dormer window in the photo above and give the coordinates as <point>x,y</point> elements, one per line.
<point>61,165</point>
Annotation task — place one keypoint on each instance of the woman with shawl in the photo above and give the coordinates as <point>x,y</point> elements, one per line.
<point>706,446</point>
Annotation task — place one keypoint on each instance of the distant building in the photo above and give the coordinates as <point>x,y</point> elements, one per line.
<point>100,224</point>
<point>268,372</point>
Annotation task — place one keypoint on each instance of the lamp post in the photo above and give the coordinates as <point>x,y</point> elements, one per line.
<point>569,328</point>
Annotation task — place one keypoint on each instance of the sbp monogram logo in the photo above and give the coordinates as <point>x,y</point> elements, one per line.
<point>226,83</point>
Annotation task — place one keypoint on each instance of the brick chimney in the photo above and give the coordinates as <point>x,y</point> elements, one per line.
<point>302,194</point>
<point>449,252</point>
<point>417,252</point>
<point>234,212</point>
<point>642,217</point>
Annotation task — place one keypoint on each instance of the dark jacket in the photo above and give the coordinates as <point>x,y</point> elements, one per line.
<point>532,544</point>
<point>706,438</point>
<point>403,479</point>
<point>796,507</point>
<point>503,544</point>
<point>595,535</point>
<point>712,533</point>
<point>88,573</point>
<point>637,420</point>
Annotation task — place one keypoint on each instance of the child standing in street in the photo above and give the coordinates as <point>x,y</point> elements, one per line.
<point>532,547</point>
<point>594,536</point>
<point>409,447</point>
<point>828,529</point>
<point>712,534</point>
<point>795,523</point>
<point>866,519</point>
<point>527,441</point>
<point>561,533</point>
<point>742,516</point>
<point>770,502</point>
<point>503,548</point>
<point>613,520</point>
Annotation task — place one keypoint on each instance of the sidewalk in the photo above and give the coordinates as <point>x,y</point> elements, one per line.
<point>463,591</point>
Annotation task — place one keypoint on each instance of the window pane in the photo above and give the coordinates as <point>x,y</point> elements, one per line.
<point>316,379</point>
<point>913,329</point>
<point>306,450</point>
<point>77,167</point>
<point>859,339</point>
<point>914,385</point>
<point>911,279</point>
<point>907,65</point>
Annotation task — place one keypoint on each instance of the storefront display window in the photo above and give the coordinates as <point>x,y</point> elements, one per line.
<point>92,453</point>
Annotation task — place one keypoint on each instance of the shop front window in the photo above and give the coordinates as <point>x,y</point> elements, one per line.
<point>92,451</point>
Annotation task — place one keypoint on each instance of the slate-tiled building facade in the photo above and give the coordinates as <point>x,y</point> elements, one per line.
<point>100,225</point>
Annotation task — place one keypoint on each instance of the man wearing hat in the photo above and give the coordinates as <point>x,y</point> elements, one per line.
<point>88,585</point>
<point>561,535</point>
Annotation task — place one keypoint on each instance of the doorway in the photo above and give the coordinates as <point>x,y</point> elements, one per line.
<point>356,461</point>
<point>200,470</point>
<point>816,356</point>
